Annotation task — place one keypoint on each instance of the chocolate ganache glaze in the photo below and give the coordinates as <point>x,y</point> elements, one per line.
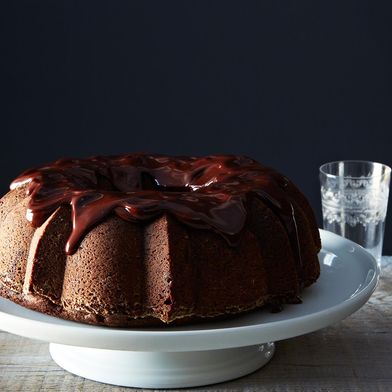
<point>204,192</point>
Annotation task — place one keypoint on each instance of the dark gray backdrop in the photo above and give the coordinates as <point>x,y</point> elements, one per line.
<point>290,83</point>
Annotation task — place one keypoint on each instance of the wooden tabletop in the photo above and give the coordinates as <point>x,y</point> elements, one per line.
<point>353,355</point>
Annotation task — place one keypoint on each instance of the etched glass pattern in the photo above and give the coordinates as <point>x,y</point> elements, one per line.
<point>354,201</point>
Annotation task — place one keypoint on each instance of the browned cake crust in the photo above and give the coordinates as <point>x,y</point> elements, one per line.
<point>157,271</point>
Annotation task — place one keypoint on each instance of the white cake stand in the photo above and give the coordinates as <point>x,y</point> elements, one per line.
<point>202,354</point>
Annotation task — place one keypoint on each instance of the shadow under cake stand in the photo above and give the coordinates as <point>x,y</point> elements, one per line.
<point>206,353</point>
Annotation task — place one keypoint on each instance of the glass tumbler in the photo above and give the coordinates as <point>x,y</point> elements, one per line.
<point>354,197</point>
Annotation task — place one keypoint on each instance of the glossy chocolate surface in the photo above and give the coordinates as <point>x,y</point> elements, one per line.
<point>204,192</point>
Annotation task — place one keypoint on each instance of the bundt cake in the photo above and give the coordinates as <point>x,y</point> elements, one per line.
<point>140,240</point>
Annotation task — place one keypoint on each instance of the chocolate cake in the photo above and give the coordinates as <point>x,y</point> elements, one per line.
<point>139,240</point>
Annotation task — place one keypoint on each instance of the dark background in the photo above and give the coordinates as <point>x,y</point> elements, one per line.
<point>290,83</point>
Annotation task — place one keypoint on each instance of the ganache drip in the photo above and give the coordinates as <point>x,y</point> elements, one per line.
<point>203,192</point>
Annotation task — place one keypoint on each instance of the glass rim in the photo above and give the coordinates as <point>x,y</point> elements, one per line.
<point>386,168</point>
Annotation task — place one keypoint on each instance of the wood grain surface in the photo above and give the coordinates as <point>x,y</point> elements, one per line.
<point>353,355</point>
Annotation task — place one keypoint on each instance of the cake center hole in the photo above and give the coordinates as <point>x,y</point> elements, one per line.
<point>149,183</point>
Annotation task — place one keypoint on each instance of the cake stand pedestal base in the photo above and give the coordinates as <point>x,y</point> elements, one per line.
<point>161,369</point>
